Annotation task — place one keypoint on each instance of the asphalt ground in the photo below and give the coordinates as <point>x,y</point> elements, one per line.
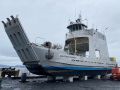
<point>43,84</point>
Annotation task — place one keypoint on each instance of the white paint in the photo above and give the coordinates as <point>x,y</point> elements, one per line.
<point>0,74</point>
<point>70,79</point>
<point>85,77</point>
<point>98,76</point>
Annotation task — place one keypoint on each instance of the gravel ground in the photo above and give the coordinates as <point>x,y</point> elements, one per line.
<point>41,84</point>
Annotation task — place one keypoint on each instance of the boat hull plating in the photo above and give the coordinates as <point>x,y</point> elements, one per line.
<point>67,70</point>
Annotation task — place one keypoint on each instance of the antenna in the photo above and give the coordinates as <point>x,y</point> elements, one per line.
<point>75,11</point>
<point>80,16</point>
<point>86,21</point>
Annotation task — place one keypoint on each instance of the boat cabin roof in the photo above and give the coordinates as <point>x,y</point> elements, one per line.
<point>74,26</point>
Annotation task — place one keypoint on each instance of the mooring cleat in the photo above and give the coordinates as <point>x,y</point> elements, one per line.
<point>4,24</point>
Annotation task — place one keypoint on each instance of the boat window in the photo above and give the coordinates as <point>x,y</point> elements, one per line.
<point>79,27</point>
<point>78,46</point>
<point>73,28</point>
<point>76,27</point>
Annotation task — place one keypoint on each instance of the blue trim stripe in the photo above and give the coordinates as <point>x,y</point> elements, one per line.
<point>74,68</point>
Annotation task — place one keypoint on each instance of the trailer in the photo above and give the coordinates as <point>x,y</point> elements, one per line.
<point>9,72</point>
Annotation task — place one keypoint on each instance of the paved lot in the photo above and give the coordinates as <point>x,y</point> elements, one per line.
<point>41,84</point>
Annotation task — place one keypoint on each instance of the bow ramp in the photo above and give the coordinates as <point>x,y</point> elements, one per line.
<point>19,40</point>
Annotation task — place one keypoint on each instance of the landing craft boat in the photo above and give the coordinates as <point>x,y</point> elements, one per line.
<point>85,51</point>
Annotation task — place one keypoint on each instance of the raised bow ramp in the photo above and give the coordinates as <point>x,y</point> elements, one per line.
<point>19,40</point>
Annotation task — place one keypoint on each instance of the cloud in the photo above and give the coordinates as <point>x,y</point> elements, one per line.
<point>7,60</point>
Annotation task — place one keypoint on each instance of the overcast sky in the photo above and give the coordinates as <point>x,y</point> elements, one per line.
<point>48,19</point>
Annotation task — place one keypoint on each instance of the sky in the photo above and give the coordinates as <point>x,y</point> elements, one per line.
<point>47,20</point>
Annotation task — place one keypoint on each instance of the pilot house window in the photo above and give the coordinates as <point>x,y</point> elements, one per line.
<point>78,46</point>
